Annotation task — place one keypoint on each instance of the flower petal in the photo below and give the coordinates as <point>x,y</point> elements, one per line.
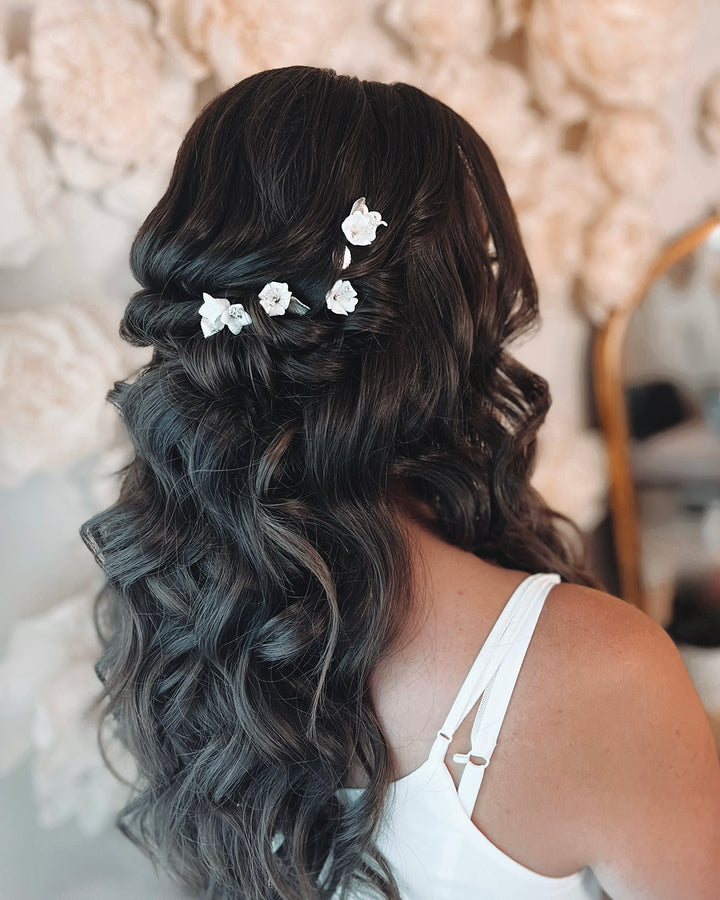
<point>213,307</point>
<point>341,298</point>
<point>360,226</point>
<point>235,317</point>
<point>275,298</point>
<point>208,327</point>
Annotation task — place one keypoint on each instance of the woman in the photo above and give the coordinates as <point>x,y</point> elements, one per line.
<point>326,564</point>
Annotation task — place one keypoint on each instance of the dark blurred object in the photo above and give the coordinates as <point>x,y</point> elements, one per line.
<point>654,407</point>
<point>696,610</point>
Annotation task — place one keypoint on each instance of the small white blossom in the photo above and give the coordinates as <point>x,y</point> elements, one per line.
<point>217,312</point>
<point>347,259</point>
<point>341,298</point>
<point>360,226</point>
<point>235,316</point>
<point>275,298</point>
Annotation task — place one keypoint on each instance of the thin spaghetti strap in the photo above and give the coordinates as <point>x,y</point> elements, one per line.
<point>499,642</point>
<point>496,700</point>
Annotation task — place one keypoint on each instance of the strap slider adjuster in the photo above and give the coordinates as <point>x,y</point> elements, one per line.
<point>471,758</point>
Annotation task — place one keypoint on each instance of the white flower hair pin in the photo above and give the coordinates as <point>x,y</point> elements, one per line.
<point>276,297</point>
<point>217,312</point>
<point>360,228</point>
<point>341,298</point>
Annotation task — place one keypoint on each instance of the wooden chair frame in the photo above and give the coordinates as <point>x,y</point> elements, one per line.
<point>607,355</point>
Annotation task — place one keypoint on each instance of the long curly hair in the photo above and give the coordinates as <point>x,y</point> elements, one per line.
<point>256,567</point>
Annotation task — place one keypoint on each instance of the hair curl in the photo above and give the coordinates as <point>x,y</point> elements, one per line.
<point>256,568</point>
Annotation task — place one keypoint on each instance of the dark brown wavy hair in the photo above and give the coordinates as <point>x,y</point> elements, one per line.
<point>256,566</point>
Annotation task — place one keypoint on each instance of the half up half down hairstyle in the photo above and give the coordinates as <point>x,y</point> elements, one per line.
<point>256,567</point>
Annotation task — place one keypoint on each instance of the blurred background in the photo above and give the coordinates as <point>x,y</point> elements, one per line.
<point>604,116</point>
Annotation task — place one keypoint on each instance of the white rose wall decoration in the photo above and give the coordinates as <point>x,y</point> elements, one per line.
<point>106,82</point>
<point>592,109</point>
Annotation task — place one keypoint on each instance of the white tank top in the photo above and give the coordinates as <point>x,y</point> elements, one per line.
<point>435,850</point>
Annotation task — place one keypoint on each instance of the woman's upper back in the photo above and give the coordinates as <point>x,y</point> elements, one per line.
<point>580,773</point>
<point>435,849</point>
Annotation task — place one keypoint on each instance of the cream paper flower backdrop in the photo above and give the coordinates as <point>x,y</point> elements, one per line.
<point>95,96</point>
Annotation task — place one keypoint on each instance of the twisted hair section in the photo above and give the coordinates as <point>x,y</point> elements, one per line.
<point>256,566</point>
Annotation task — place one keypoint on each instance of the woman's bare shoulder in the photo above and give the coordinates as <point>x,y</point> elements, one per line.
<point>648,783</point>
<point>587,613</point>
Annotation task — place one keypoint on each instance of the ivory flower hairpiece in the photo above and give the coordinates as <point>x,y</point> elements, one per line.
<point>275,298</point>
<point>359,227</point>
<point>341,298</point>
<point>217,312</point>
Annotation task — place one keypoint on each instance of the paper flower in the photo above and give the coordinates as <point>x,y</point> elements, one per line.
<point>611,51</point>
<point>341,298</point>
<point>30,186</point>
<point>217,312</point>
<point>233,39</point>
<point>360,226</point>
<point>554,210</point>
<point>426,27</point>
<point>347,259</point>
<point>105,81</point>
<point>54,364</point>
<point>48,690</point>
<point>630,148</point>
<point>619,247</point>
